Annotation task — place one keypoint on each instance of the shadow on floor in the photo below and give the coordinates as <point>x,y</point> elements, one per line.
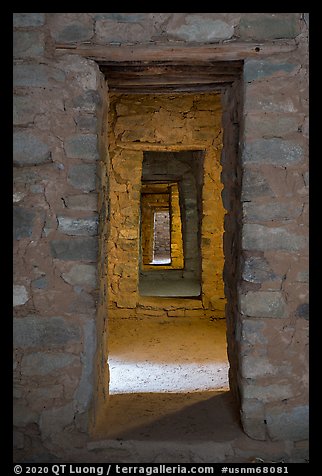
<point>197,416</point>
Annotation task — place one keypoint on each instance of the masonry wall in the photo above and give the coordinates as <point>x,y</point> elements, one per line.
<point>60,209</point>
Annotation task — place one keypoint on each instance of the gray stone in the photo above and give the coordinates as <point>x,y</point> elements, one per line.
<point>54,420</point>
<point>109,32</point>
<point>23,111</point>
<point>306,177</point>
<point>252,332</point>
<point>264,238</point>
<point>23,222</point>
<point>257,270</point>
<point>254,366</point>
<point>121,17</point>
<point>83,176</point>
<point>303,277</point>
<point>28,44</point>
<point>40,283</point>
<point>269,26</point>
<point>73,32</point>
<point>51,332</point>
<point>255,69</point>
<point>76,249</point>
<point>18,440</point>
<point>81,275</point>
<point>29,150</point>
<point>88,101</point>
<point>276,210</point>
<point>254,428</point>
<point>262,304</point>
<point>82,146</point>
<point>44,363</point>
<point>87,201</point>
<point>288,424</point>
<point>268,393</point>
<point>273,151</point>
<point>303,310</point>
<point>36,75</point>
<point>253,419</point>
<point>83,304</point>
<point>20,295</point>
<point>255,185</point>
<point>23,415</point>
<point>78,226</point>
<point>202,30</point>
<point>87,123</point>
<point>271,124</point>
<point>28,19</point>
<point>22,176</point>
<point>84,391</point>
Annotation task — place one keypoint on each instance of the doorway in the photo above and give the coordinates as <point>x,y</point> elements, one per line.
<point>148,329</point>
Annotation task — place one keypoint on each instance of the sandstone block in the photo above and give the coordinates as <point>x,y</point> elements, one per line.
<point>32,331</point>
<point>76,249</point>
<point>28,149</point>
<point>23,222</point>
<point>264,238</point>
<point>262,304</point>
<point>83,177</point>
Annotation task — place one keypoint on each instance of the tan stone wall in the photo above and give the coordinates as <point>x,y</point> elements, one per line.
<point>141,123</point>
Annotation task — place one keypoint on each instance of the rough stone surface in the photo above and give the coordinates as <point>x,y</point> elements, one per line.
<point>255,185</point>
<point>82,146</point>
<point>270,124</point>
<point>88,101</point>
<point>303,310</point>
<point>22,415</point>
<point>272,211</point>
<point>79,249</point>
<point>28,19</point>
<point>273,151</point>
<point>36,75</point>
<point>54,420</point>
<point>263,238</point>
<point>44,363</point>
<point>269,26</point>
<point>200,29</point>
<point>257,270</point>
<point>20,295</point>
<point>268,393</point>
<point>288,423</point>
<point>32,331</point>
<point>72,32</point>
<point>263,304</point>
<point>255,69</point>
<point>28,44</point>
<point>83,177</point>
<point>84,391</point>
<point>78,226</point>
<point>40,283</point>
<point>29,150</point>
<point>23,222</point>
<point>81,275</point>
<point>82,202</point>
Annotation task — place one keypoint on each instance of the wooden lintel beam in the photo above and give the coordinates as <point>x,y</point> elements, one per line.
<point>155,53</point>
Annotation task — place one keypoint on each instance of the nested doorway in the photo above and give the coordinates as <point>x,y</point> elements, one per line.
<point>165,157</point>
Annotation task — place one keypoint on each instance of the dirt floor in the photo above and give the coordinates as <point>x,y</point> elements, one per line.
<point>168,355</point>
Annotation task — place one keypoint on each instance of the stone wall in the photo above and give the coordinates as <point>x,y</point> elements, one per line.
<point>60,208</point>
